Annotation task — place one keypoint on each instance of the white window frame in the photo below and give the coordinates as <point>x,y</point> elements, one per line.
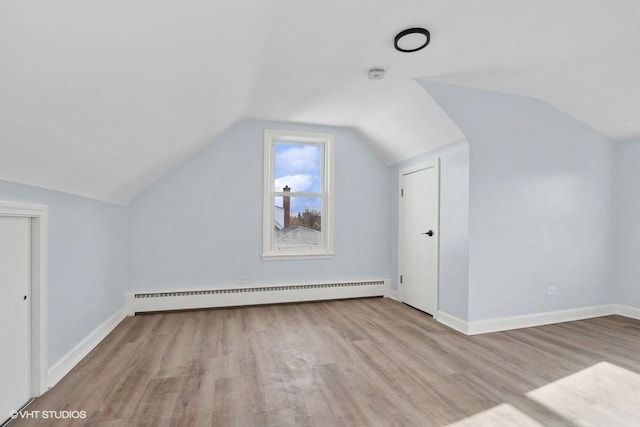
<point>326,141</point>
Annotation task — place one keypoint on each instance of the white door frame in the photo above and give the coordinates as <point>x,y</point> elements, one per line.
<point>411,169</point>
<point>39,271</point>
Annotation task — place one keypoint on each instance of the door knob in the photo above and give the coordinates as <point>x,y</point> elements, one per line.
<point>428,233</point>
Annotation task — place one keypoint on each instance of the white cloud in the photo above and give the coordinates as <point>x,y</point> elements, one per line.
<point>297,159</point>
<point>297,182</point>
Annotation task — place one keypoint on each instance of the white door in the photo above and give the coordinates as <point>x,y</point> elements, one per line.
<point>15,313</point>
<point>419,236</point>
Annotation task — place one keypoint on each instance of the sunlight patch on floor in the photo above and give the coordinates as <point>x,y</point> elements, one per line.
<point>501,415</point>
<point>604,394</point>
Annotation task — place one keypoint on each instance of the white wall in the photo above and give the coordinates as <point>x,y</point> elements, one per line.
<point>540,204</point>
<point>627,220</point>
<point>454,220</point>
<point>87,262</point>
<point>200,226</point>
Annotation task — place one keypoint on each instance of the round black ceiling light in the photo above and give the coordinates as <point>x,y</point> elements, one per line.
<point>412,39</point>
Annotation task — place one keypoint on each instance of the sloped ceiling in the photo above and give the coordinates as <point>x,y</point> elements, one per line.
<point>100,98</point>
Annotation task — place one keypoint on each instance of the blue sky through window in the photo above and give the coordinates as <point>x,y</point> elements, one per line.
<point>299,167</point>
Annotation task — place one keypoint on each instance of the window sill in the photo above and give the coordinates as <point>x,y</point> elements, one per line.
<point>297,256</point>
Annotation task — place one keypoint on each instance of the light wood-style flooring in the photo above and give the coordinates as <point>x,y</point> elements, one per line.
<point>367,362</point>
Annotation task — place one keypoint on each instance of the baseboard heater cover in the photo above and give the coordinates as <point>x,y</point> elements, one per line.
<point>227,297</point>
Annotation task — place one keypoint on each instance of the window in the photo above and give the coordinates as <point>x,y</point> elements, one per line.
<point>298,195</point>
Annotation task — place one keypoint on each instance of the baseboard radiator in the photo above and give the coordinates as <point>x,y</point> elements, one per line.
<point>140,302</point>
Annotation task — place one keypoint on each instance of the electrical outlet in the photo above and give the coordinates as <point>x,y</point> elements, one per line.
<point>553,290</point>
<point>242,280</point>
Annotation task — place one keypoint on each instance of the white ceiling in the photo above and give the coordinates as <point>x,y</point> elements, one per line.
<point>100,98</point>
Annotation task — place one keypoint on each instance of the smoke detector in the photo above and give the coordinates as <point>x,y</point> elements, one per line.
<point>376,73</point>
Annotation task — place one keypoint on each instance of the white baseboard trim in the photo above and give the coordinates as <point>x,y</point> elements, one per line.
<point>139,302</point>
<point>538,319</point>
<point>73,357</point>
<point>453,322</point>
<point>627,311</point>
<point>392,294</point>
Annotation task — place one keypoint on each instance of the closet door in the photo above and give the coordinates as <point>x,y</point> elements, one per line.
<point>15,315</point>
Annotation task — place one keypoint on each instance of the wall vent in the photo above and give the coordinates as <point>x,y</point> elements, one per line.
<point>227,297</point>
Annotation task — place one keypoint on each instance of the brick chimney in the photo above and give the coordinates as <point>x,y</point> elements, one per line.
<point>286,205</point>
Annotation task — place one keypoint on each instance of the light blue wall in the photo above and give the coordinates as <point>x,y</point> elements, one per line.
<point>87,262</point>
<point>454,220</point>
<point>540,204</point>
<point>200,226</point>
<point>532,200</point>
<point>627,216</point>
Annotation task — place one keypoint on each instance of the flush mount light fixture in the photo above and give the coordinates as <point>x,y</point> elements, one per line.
<point>412,39</point>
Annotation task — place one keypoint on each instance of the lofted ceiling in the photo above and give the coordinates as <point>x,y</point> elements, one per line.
<point>101,98</point>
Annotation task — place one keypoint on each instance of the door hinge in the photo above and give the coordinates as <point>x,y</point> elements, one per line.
<point>402,192</point>
<point>401,278</point>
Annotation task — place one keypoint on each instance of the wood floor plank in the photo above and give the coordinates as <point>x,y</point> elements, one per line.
<point>194,404</point>
<point>232,403</point>
<point>368,362</point>
<point>421,399</point>
<point>155,408</point>
<point>275,418</point>
<point>339,397</point>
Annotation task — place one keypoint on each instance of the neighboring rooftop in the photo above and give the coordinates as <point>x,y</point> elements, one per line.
<point>296,236</point>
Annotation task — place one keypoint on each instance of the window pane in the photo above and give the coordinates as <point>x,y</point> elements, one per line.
<point>298,166</point>
<point>297,221</point>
